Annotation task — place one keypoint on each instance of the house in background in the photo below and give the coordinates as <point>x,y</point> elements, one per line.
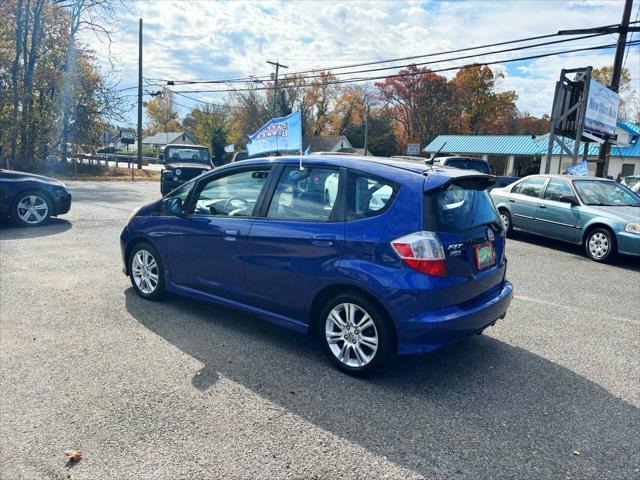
<point>520,155</point>
<point>330,143</point>
<point>161,139</point>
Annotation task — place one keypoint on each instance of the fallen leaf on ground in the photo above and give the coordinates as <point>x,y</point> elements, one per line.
<point>73,455</point>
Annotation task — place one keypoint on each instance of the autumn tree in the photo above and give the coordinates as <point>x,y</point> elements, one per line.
<point>162,113</point>
<point>211,127</point>
<point>419,101</point>
<point>478,108</point>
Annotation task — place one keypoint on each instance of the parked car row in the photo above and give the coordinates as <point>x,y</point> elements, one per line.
<point>599,214</point>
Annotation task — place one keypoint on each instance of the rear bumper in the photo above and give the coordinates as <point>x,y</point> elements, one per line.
<point>628,243</point>
<point>435,329</point>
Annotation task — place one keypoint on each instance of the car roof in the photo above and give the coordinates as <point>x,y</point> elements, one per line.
<point>382,166</point>
<point>186,145</point>
<point>570,178</point>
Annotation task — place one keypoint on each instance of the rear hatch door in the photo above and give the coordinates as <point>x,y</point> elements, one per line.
<point>463,215</point>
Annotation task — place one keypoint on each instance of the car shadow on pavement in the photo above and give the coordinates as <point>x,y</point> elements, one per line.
<point>54,226</point>
<point>623,261</point>
<point>481,408</point>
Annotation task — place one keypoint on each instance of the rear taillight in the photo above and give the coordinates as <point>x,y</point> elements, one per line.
<point>423,252</point>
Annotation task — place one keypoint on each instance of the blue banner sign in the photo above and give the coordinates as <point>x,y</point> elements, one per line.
<point>282,134</point>
<point>579,169</point>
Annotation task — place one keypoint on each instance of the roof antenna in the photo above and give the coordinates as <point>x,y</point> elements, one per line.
<point>431,160</point>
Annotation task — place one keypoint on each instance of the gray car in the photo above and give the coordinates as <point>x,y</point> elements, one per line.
<point>600,214</point>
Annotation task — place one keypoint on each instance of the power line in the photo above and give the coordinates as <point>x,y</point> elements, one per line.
<point>246,79</point>
<point>399,75</point>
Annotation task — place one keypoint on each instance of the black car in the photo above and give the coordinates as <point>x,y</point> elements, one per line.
<point>182,163</point>
<point>29,199</point>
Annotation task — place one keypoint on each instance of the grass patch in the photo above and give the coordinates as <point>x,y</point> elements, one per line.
<point>114,175</point>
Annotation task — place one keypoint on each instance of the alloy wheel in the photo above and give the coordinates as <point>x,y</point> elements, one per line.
<point>599,245</point>
<point>505,220</point>
<point>33,209</point>
<point>144,270</point>
<point>351,334</point>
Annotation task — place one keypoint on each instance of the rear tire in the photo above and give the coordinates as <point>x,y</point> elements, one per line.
<point>356,335</point>
<point>146,271</point>
<point>600,245</point>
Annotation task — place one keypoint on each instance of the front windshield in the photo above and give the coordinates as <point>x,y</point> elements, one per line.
<point>186,154</point>
<point>605,193</point>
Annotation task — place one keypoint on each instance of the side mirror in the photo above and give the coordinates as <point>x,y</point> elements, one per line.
<point>172,206</point>
<point>569,199</point>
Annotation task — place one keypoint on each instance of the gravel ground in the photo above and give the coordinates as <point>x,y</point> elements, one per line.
<point>182,389</point>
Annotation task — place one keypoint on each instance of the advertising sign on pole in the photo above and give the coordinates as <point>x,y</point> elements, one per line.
<point>413,148</point>
<point>602,109</point>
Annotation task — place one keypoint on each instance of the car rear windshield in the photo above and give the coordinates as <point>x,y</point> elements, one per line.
<point>469,164</point>
<point>459,207</point>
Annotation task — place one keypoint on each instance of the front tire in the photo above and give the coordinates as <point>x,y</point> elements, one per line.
<point>146,271</point>
<point>505,217</point>
<point>356,334</point>
<point>600,245</point>
<point>31,209</point>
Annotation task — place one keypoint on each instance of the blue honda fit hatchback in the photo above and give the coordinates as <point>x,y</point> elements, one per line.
<point>375,255</point>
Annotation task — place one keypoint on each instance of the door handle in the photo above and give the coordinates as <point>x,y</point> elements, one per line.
<point>542,206</point>
<point>323,239</point>
<point>512,200</point>
<point>231,235</point>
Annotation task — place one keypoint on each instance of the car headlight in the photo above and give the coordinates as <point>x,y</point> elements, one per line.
<point>133,214</point>
<point>632,228</point>
<point>178,172</point>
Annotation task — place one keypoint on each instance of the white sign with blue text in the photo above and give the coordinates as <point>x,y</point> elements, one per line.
<point>602,109</point>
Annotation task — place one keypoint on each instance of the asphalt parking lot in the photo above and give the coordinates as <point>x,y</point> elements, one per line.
<point>182,389</point>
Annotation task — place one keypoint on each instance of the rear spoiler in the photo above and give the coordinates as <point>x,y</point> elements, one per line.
<point>478,181</point>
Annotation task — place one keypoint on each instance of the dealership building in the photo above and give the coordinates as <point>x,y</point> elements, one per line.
<point>520,155</point>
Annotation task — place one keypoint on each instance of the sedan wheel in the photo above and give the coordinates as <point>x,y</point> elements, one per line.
<point>356,335</point>
<point>146,272</point>
<point>32,209</point>
<point>600,245</point>
<point>506,220</point>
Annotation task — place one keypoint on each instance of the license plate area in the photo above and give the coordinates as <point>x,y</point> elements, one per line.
<point>485,255</point>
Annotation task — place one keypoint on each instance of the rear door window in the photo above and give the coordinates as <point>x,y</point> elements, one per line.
<point>531,187</point>
<point>306,195</point>
<point>458,208</point>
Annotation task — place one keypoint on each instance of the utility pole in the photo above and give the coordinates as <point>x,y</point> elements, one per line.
<point>139,98</point>
<point>366,129</point>
<point>275,85</point>
<point>602,168</point>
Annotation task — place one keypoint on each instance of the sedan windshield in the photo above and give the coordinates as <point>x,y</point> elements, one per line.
<point>186,154</point>
<point>605,193</point>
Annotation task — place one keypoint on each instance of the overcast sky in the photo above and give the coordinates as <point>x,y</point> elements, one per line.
<point>223,39</point>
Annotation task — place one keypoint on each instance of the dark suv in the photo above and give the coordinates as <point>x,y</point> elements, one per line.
<point>182,163</point>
